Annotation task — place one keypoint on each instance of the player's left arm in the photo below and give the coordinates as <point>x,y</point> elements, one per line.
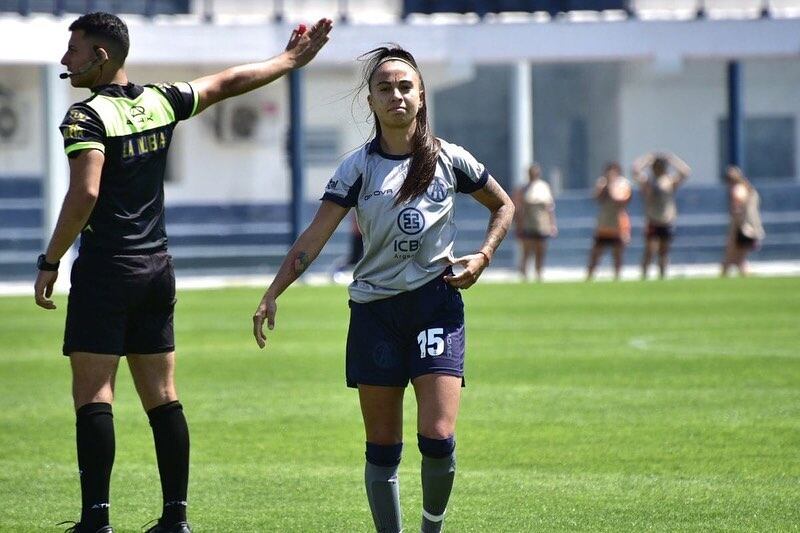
<point>303,46</point>
<point>84,185</point>
<point>553,223</point>
<point>681,168</point>
<point>495,199</point>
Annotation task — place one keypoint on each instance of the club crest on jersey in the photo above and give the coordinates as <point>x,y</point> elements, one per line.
<point>139,115</point>
<point>437,190</point>
<point>410,221</point>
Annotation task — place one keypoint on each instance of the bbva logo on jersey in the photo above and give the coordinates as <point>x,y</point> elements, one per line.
<point>437,190</point>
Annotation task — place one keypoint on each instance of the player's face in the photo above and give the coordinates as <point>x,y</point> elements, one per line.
<point>395,95</point>
<point>79,55</point>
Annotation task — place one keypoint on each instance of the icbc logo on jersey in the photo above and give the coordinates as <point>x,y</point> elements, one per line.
<point>410,221</point>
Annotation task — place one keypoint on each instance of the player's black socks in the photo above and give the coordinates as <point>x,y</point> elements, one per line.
<point>94,433</point>
<point>383,488</point>
<point>438,471</point>
<point>171,436</point>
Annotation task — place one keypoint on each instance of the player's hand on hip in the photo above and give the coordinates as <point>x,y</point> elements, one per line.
<point>473,264</point>
<point>303,45</point>
<point>43,288</point>
<point>266,311</point>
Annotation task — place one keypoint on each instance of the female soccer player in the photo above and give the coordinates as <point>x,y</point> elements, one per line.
<point>406,313</point>
<point>658,191</point>
<point>535,215</point>
<point>612,192</point>
<point>745,231</point>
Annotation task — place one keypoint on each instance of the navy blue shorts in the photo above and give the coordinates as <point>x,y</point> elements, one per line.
<point>661,232</point>
<point>397,339</point>
<point>607,241</point>
<point>743,241</point>
<point>121,304</point>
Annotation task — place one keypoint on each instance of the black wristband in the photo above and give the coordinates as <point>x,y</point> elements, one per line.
<point>42,264</point>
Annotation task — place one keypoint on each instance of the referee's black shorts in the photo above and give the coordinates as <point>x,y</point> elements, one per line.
<point>121,304</point>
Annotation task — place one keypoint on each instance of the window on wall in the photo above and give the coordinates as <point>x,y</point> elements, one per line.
<point>769,147</point>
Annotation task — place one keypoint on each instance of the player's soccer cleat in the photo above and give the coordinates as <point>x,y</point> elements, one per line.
<point>179,527</point>
<point>76,527</point>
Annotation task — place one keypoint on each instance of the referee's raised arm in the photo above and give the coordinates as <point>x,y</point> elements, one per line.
<point>302,47</point>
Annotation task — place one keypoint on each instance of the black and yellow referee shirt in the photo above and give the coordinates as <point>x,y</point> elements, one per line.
<point>132,125</point>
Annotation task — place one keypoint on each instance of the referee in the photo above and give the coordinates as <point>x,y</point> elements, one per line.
<point>122,294</point>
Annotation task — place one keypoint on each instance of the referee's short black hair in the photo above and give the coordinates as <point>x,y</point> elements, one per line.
<point>108,28</point>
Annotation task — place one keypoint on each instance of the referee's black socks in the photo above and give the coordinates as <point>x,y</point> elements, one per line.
<point>94,433</point>
<point>171,436</point>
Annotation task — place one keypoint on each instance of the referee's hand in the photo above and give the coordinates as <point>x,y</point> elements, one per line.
<point>473,264</point>
<point>304,45</point>
<point>266,310</point>
<point>43,288</point>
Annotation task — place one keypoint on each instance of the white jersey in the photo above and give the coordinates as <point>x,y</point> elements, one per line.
<point>408,245</point>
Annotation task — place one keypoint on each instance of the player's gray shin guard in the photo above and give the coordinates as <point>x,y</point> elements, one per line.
<point>437,481</point>
<point>383,493</point>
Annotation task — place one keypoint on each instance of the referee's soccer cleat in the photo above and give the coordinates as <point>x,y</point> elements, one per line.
<point>76,527</point>
<point>178,527</point>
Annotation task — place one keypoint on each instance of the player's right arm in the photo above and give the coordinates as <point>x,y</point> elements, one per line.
<point>300,256</point>
<point>638,169</point>
<point>301,49</point>
<point>600,187</point>
<point>84,185</point>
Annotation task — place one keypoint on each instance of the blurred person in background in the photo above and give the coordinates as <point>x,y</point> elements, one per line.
<point>535,216</point>
<point>406,311</point>
<point>745,231</point>
<point>658,188</point>
<point>612,193</point>
<point>122,295</point>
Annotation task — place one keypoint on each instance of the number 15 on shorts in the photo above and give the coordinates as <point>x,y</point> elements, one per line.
<point>431,342</point>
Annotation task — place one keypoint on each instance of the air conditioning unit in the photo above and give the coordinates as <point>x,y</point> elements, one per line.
<point>245,121</point>
<point>12,125</point>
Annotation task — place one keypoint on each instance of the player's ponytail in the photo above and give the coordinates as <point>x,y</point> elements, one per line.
<point>424,145</point>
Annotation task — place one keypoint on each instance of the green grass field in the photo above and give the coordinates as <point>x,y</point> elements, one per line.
<point>661,406</point>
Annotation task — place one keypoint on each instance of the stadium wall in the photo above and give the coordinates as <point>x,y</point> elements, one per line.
<point>629,107</point>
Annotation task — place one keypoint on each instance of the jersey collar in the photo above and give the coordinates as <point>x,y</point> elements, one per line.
<point>374,147</point>
<point>130,90</point>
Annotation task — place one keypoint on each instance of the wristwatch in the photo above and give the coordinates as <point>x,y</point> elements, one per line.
<point>42,264</point>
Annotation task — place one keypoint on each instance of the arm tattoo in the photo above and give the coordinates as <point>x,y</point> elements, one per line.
<point>301,263</point>
<point>499,221</point>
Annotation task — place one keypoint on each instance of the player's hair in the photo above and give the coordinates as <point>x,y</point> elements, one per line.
<point>734,174</point>
<point>424,145</point>
<point>107,28</point>
<point>535,169</point>
<point>660,165</point>
<point>612,165</point>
